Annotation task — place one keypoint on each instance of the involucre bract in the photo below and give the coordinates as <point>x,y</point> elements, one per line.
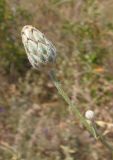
<point>40,51</point>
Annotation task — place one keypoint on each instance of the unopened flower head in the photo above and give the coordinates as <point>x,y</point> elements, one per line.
<point>90,115</point>
<point>39,49</point>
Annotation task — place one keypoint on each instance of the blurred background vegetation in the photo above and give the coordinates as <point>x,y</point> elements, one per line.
<point>33,118</point>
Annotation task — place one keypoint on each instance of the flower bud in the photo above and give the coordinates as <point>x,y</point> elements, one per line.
<point>39,49</point>
<point>90,115</point>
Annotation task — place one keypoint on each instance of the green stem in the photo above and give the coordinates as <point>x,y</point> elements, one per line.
<point>102,138</point>
<point>74,109</point>
<point>89,127</point>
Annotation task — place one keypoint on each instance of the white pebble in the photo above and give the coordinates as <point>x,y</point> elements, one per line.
<point>90,115</point>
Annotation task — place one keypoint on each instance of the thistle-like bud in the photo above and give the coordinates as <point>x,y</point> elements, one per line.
<point>40,51</point>
<point>90,115</point>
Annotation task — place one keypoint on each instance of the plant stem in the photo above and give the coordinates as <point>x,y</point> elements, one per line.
<point>66,98</point>
<point>102,138</point>
<point>91,128</point>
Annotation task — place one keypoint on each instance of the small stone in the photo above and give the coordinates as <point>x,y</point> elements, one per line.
<point>90,115</point>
